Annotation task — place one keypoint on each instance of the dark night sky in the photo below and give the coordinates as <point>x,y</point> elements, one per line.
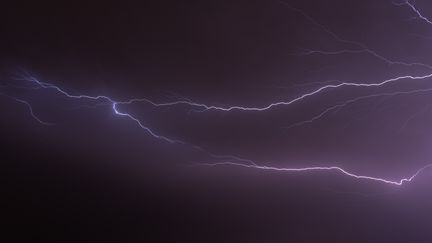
<point>97,177</point>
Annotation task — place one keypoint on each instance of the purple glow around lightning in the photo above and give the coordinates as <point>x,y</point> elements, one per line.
<point>360,48</point>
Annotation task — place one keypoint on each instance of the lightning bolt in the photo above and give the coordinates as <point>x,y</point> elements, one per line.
<point>30,108</point>
<point>360,47</point>
<point>317,91</point>
<point>348,102</point>
<point>201,107</point>
<point>414,9</point>
<point>115,109</point>
<point>324,168</point>
<point>240,161</point>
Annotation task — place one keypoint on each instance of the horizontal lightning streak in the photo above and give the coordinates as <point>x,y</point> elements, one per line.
<point>324,168</point>
<point>299,98</point>
<point>206,107</point>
